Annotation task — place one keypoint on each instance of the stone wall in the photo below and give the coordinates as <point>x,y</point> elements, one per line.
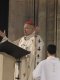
<point>16,18</point>
<point>19,12</point>
<point>45,17</point>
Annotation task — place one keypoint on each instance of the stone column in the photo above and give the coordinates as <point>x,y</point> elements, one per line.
<point>16,18</point>
<point>19,11</point>
<point>42,21</point>
<point>50,21</point>
<point>42,18</point>
<point>58,28</point>
<point>47,21</point>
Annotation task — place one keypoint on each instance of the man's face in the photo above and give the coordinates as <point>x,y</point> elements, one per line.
<point>28,29</point>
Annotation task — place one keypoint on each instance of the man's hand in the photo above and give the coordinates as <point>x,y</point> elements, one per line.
<point>2,34</point>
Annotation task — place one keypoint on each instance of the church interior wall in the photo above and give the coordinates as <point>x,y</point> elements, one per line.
<point>46,17</point>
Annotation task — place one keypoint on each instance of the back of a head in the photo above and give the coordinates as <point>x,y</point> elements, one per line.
<point>51,48</point>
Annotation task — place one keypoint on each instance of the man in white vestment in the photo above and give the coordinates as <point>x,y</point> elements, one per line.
<point>33,43</point>
<point>48,69</point>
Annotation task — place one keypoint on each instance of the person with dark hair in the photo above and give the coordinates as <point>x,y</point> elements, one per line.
<point>51,49</point>
<point>48,69</point>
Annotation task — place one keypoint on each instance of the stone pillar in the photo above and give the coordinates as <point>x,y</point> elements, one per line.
<point>58,28</point>
<point>16,18</point>
<point>47,21</point>
<point>19,11</point>
<point>42,18</point>
<point>50,21</point>
<point>42,21</point>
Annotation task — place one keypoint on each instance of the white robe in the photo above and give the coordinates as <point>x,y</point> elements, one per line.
<point>48,69</point>
<point>34,44</point>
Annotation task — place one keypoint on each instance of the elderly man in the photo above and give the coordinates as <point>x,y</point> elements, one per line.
<point>33,43</point>
<point>48,69</point>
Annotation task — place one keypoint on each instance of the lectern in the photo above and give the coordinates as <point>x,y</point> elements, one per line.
<point>15,51</point>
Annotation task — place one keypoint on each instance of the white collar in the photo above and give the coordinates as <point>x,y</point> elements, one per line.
<point>29,36</point>
<point>52,57</point>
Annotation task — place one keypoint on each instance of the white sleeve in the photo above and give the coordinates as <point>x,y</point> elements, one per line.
<point>37,72</point>
<point>4,39</point>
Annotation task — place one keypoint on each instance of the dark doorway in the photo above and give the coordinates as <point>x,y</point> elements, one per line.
<point>4,11</point>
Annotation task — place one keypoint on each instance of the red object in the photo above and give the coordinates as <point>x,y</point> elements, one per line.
<point>30,22</point>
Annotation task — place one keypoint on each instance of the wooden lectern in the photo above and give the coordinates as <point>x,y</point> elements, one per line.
<point>14,51</point>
